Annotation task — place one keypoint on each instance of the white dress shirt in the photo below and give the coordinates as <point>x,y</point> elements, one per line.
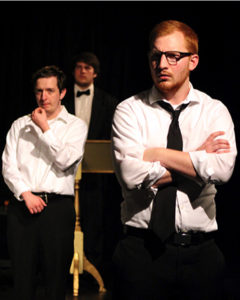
<point>83,104</point>
<point>43,162</point>
<point>140,123</point>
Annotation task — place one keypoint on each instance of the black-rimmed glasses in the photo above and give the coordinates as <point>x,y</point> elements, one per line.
<point>172,57</point>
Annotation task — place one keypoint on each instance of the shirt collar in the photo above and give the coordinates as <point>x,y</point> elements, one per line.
<point>63,115</point>
<point>77,88</point>
<point>155,96</point>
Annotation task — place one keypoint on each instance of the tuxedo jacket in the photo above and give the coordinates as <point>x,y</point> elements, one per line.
<point>103,107</point>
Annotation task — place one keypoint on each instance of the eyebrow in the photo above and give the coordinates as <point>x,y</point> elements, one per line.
<point>46,89</point>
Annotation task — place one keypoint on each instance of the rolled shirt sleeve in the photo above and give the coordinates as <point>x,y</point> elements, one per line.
<point>128,150</point>
<point>213,168</point>
<point>217,168</point>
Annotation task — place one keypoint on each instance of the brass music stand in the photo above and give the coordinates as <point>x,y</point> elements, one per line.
<point>97,159</point>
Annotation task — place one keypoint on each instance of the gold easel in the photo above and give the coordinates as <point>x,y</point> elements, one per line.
<point>97,159</point>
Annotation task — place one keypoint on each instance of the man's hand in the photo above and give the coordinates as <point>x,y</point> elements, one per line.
<point>213,145</point>
<point>165,179</point>
<point>39,117</point>
<point>34,203</point>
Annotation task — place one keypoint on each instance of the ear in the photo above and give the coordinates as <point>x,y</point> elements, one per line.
<point>94,75</point>
<point>62,94</point>
<point>194,59</point>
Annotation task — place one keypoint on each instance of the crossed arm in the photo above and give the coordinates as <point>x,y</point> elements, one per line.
<point>179,161</point>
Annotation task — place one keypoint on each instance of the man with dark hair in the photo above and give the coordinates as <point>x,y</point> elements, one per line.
<point>50,71</point>
<point>96,107</point>
<point>39,163</point>
<point>88,102</point>
<point>88,58</point>
<point>171,145</point>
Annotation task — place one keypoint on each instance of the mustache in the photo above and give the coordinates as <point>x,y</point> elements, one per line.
<point>162,73</point>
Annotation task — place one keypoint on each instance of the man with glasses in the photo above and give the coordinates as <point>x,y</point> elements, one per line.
<point>171,145</point>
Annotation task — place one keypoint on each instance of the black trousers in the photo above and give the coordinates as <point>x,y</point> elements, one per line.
<point>43,242</point>
<point>145,269</point>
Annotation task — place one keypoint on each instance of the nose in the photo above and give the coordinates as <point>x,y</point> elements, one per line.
<point>162,62</point>
<point>82,70</point>
<point>43,95</point>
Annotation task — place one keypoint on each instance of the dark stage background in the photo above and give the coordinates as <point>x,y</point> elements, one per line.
<point>34,34</point>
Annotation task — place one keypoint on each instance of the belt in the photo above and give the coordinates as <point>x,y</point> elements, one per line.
<point>190,238</point>
<point>177,239</point>
<point>51,196</point>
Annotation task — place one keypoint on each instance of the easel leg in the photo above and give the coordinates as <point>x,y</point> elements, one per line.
<point>87,266</point>
<point>75,274</point>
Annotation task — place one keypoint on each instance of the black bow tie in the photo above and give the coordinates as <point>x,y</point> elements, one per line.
<point>80,93</point>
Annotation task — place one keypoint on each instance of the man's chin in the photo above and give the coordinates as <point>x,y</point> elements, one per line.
<point>83,84</point>
<point>163,86</point>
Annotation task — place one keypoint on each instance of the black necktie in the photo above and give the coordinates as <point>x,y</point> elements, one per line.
<point>80,93</point>
<point>162,220</point>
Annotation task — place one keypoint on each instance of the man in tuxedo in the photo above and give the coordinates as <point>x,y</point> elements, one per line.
<point>98,192</point>
<point>88,102</point>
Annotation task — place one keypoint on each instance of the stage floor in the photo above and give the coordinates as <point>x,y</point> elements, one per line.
<point>88,287</point>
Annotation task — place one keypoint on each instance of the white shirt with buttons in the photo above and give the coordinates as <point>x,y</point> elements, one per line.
<point>140,123</point>
<point>83,104</point>
<point>43,162</point>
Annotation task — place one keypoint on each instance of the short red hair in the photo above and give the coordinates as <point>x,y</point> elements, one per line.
<point>170,26</point>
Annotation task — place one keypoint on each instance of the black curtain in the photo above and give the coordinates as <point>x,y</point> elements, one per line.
<point>35,34</point>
